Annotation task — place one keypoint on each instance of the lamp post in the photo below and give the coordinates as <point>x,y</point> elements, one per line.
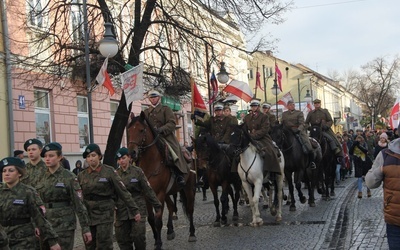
<point>222,75</point>
<point>108,48</point>
<point>265,85</point>
<point>307,97</point>
<point>276,91</point>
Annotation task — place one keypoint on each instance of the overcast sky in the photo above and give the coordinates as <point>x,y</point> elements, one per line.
<point>338,34</point>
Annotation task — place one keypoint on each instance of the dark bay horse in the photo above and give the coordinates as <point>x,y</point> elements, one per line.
<point>296,163</point>
<point>218,164</point>
<point>145,144</point>
<point>327,171</point>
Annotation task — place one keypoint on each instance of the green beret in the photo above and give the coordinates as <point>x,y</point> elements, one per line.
<point>12,161</point>
<point>31,142</point>
<point>53,146</point>
<point>91,148</point>
<point>121,152</point>
<point>317,101</point>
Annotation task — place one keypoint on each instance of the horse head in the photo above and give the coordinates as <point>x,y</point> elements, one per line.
<point>206,147</point>
<point>240,138</point>
<point>278,135</point>
<point>316,133</point>
<point>140,135</point>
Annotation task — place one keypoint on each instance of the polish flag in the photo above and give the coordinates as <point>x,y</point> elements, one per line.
<point>285,98</point>
<point>394,115</point>
<point>104,79</point>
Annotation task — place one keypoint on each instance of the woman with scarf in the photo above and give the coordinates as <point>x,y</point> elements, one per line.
<point>362,163</point>
<point>382,144</point>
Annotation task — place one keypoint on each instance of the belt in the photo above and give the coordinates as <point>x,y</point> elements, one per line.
<point>15,222</point>
<point>58,204</point>
<point>95,197</point>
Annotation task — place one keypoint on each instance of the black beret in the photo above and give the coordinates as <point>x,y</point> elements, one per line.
<point>121,152</point>
<point>53,146</point>
<point>12,161</point>
<point>18,152</point>
<point>90,148</point>
<point>31,142</point>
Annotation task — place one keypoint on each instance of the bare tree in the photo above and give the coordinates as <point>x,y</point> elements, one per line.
<point>164,31</point>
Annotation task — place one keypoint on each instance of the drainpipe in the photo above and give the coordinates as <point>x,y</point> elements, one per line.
<point>8,75</point>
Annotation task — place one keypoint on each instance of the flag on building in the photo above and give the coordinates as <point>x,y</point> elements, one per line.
<point>239,89</point>
<point>213,88</point>
<point>104,79</point>
<point>278,74</point>
<point>285,98</point>
<point>132,84</point>
<point>394,114</point>
<point>198,106</point>
<point>307,109</point>
<point>258,80</point>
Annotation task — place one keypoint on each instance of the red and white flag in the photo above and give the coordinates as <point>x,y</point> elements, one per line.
<point>198,106</point>
<point>258,80</point>
<point>285,98</point>
<point>239,89</point>
<point>278,76</point>
<point>307,109</point>
<point>104,79</point>
<point>394,115</point>
<point>214,88</point>
<point>132,84</point>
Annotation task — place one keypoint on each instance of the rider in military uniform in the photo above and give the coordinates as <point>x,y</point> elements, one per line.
<point>162,118</point>
<point>36,167</point>
<point>227,113</point>
<point>258,126</point>
<point>266,108</point>
<point>128,232</point>
<point>19,205</point>
<point>101,186</point>
<point>322,118</point>
<point>293,120</point>
<point>62,197</point>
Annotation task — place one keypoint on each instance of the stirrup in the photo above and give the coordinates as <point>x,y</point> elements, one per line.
<point>312,165</point>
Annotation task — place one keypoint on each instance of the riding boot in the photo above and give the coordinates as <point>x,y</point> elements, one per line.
<point>312,164</point>
<point>180,180</point>
<point>303,146</point>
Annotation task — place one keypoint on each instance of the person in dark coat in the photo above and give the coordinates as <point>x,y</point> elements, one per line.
<point>362,163</point>
<point>78,167</point>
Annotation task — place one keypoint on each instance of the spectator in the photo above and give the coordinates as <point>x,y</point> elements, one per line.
<point>362,163</point>
<point>382,144</point>
<point>19,154</point>
<point>78,167</point>
<point>65,163</point>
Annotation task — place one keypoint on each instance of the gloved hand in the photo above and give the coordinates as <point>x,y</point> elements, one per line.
<point>159,130</point>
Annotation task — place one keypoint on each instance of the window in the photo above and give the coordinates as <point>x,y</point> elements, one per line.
<point>76,22</point>
<point>37,14</point>
<point>42,116</point>
<point>251,74</point>
<point>83,121</point>
<point>113,109</point>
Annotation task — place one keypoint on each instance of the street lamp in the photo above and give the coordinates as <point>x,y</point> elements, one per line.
<point>276,91</point>
<point>307,97</point>
<point>108,46</point>
<point>222,75</point>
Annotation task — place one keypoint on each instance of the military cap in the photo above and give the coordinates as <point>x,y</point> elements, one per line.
<point>290,102</point>
<point>18,152</point>
<point>255,102</point>
<point>12,161</point>
<point>154,93</point>
<point>266,105</point>
<point>317,101</point>
<point>121,152</point>
<point>53,146</point>
<point>218,106</point>
<point>31,142</point>
<point>91,148</point>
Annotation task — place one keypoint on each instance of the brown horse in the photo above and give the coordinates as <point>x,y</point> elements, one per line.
<point>144,144</point>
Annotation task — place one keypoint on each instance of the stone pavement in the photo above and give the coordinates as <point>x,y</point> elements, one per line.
<point>344,222</point>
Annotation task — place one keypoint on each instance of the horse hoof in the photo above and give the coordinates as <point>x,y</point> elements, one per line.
<point>319,191</point>
<point>332,193</point>
<point>273,212</point>
<point>265,206</point>
<point>241,202</point>
<point>288,203</point>
<point>303,200</point>
<point>204,198</point>
<point>285,197</point>
<point>171,236</point>
<point>312,204</point>
<point>292,208</point>
<point>278,218</point>
<point>235,218</point>
<point>224,222</point>
<point>192,239</point>
<point>217,224</point>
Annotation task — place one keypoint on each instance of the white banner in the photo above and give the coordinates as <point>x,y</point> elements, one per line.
<point>132,84</point>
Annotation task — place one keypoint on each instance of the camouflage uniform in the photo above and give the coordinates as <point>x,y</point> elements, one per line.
<point>18,206</point>
<point>62,194</point>
<point>3,239</point>
<point>258,126</point>
<point>322,118</point>
<point>163,119</point>
<point>100,187</point>
<point>219,127</point>
<point>128,231</point>
<point>34,173</point>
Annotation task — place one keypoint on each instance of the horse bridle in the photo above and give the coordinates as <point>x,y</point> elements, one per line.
<point>140,144</point>
<point>283,138</point>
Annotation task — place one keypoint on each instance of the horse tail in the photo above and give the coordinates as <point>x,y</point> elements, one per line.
<point>184,200</point>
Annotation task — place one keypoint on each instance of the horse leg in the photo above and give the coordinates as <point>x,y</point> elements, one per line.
<point>298,176</point>
<point>289,180</point>
<point>204,193</point>
<point>257,220</point>
<point>278,197</point>
<point>235,200</point>
<point>175,208</point>
<point>213,188</point>
<point>266,200</point>
<point>188,200</point>
<point>224,202</point>
<point>155,222</point>
<point>171,208</point>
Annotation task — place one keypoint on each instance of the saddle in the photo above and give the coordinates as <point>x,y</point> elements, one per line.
<point>314,143</point>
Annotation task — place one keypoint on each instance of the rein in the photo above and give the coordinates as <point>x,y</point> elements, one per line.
<point>251,165</point>
<point>140,145</point>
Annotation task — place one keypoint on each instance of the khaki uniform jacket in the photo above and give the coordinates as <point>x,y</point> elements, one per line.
<point>19,203</point>
<point>34,173</point>
<point>321,117</point>
<point>294,120</point>
<point>163,119</point>
<point>100,187</point>
<point>258,126</point>
<point>271,118</point>
<point>137,184</point>
<point>219,127</point>
<point>62,197</point>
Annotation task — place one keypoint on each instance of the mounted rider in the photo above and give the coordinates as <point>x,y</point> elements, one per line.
<point>293,120</point>
<point>162,119</point>
<point>258,126</point>
<point>322,118</point>
<point>266,108</point>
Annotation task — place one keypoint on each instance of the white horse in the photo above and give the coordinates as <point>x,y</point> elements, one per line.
<point>250,170</point>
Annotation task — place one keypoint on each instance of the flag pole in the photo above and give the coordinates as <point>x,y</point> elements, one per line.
<point>208,80</point>
<point>276,92</point>
<point>256,87</point>
<point>265,85</point>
